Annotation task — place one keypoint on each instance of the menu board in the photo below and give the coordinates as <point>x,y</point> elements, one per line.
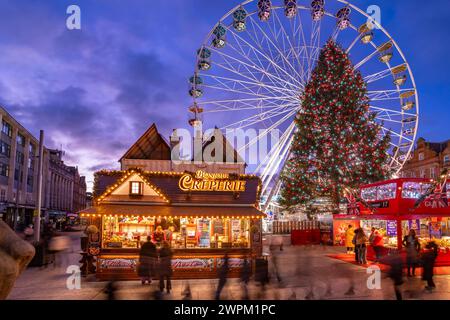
<point>414,225</point>
<point>435,230</point>
<point>203,231</point>
<point>391,228</point>
<point>218,226</point>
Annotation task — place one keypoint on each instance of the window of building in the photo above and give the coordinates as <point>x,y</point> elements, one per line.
<point>6,128</point>
<point>432,173</point>
<point>422,173</point>
<point>20,157</point>
<point>2,195</point>
<point>31,149</point>
<point>421,156</point>
<point>30,163</point>
<point>20,140</point>
<point>30,180</point>
<point>5,149</point>
<point>446,159</point>
<point>4,170</point>
<point>136,188</point>
<point>18,173</point>
<point>181,233</point>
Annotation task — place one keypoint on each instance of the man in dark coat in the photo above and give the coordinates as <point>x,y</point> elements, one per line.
<point>165,267</point>
<point>223,274</point>
<point>148,256</point>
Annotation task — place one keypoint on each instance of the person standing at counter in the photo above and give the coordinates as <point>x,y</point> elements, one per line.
<point>429,259</point>
<point>412,244</point>
<point>361,247</point>
<point>349,234</point>
<point>158,236</point>
<point>148,257</point>
<point>165,267</point>
<point>377,243</point>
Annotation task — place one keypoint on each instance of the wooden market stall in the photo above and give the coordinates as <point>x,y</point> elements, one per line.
<point>201,215</point>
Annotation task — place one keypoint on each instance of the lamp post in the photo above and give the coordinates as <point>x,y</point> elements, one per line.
<point>37,218</point>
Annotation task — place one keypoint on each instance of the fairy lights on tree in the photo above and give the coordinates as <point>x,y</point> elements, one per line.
<point>337,143</point>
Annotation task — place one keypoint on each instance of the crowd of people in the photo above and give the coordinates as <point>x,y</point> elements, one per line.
<point>357,241</point>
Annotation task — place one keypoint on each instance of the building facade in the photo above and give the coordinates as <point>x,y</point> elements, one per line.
<point>66,188</point>
<point>427,160</point>
<point>18,171</point>
<point>62,187</point>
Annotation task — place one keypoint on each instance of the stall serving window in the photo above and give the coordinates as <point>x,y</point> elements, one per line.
<point>382,192</point>
<point>413,190</point>
<point>181,233</point>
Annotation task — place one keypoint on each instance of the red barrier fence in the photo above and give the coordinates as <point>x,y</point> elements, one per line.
<point>286,227</point>
<point>303,237</point>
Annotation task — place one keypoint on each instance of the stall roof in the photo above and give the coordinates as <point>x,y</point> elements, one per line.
<point>160,210</point>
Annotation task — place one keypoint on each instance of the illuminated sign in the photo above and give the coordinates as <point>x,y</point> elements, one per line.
<point>203,181</point>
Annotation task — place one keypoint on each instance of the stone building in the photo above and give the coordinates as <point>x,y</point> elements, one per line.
<point>66,189</point>
<point>427,160</point>
<point>18,176</point>
<point>18,171</point>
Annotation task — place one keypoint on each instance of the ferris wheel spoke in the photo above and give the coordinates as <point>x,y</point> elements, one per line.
<point>266,131</point>
<point>275,149</point>
<point>355,41</point>
<point>378,76</point>
<point>276,164</point>
<point>293,51</point>
<point>243,84</point>
<point>237,105</point>
<point>386,94</point>
<point>285,61</point>
<point>391,111</point>
<point>335,34</point>
<point>274,155</point>
<point>258,118</point>
<point>252,94</point>
<point>281,73</point>
<point>246,65</point>
<point>258,40</point>
<point>314,45</point>
<point>241,74</point>
<point>366,59</point>
<point>398,135</point>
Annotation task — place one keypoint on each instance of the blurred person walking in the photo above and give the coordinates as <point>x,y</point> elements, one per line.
<point>245,276</point>
<point>165,267</point>
<point>428,260</point>
<point>412,244</point>
<point>57,247</point>
<point>395,272</point>
<point>223,275</point>
<point>148,257</point>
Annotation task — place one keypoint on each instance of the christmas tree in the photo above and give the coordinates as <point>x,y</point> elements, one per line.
<point>337,143</point>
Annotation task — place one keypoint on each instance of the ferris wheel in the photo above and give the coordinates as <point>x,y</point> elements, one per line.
<point>252,68</point>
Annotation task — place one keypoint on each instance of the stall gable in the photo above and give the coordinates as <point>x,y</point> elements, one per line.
<point>122,191</point>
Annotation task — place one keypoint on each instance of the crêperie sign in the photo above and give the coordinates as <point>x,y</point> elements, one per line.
<point>203,181</point>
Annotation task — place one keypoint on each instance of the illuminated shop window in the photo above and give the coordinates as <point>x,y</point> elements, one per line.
<point>181,233</point>
<point>413,190</point>
<point>383,192</point>
<point>136,188</point>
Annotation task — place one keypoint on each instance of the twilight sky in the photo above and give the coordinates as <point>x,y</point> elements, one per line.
<point>95,91</point>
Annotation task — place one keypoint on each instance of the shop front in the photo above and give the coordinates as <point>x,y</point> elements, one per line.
<point>391,209</point>
<point>201,216</point>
